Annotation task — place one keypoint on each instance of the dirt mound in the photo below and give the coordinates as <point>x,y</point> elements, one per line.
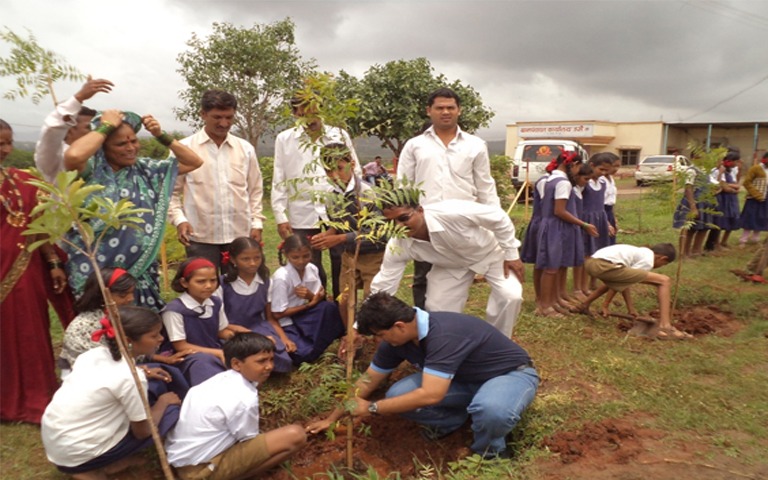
<point>698,320</point>
<point>391,446</point>
<point>610,441</point>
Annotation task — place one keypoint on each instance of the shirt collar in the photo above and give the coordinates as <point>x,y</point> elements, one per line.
<point>191,303</point>
<point>422,322</point>
<point>206,138</point>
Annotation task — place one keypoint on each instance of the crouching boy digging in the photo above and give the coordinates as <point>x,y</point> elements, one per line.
<point>217,436</point>
<point>621,266</point>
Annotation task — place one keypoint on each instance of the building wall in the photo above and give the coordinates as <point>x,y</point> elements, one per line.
<point>645,137</point>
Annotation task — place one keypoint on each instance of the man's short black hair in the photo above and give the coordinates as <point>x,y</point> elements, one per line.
<point>86,112</point>
<point>444,92</point>
<point>245,344</point>
<point>666,250</point>
<point>380,311</point>
<point>217,99</point>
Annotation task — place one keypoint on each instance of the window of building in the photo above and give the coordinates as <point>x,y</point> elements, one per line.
<point>629,157</point>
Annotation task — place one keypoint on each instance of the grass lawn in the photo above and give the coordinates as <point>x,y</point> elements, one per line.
<point>672,409</point>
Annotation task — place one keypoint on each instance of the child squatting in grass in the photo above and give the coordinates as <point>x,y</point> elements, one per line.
<point>621,266</point>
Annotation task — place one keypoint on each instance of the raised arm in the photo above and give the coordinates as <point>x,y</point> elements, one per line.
<point>188,159</point>
<point>76,157</point>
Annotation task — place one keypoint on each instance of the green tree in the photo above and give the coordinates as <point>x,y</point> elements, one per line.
<point>35,68</point>
<point>260,65</point>
<point>393,100</point>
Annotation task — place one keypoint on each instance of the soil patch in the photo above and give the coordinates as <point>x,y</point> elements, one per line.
<point>620,449</point>
<point>391,446</point>
<point>699,320</point>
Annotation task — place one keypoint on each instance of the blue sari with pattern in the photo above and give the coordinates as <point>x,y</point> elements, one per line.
<point>148,184</point>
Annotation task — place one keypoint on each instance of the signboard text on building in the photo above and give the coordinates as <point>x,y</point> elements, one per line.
<point>555,131</point>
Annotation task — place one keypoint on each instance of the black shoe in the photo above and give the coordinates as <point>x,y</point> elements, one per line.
<point>500,455</point>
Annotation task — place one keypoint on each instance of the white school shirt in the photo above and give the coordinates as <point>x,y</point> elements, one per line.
<point>464,235</point>
<point>610,191</point>
<point>50,147</point>
<point>562,189</point>
<point>215,415</point>
<point>296,158</point>
<point>281,295</point>
<point>630,256</point>
<point>174,322</point>
<point>92,410</point>
<point>459,171</point>
<point>221,200</point>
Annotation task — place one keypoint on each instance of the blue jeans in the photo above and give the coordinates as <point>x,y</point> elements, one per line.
<point>494,405</point>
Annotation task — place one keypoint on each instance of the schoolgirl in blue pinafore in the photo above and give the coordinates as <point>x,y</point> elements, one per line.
<point>559,243</point>
<point>297,301</point>
<point>728,205</point>
<point>698,181</point>
<point>530,243</point>
<point>196,322</point>
<point>593,212</point>
<point>244,289</point>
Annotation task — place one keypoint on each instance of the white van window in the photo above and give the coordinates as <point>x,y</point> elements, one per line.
<point>542,153</point>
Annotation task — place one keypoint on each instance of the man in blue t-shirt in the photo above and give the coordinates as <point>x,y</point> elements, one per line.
<point>467,368</point>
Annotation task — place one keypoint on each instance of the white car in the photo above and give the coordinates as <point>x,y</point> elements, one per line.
<point>660,168</point>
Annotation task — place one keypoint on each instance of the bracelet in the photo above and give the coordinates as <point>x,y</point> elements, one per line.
<point>165,139</point>
<point>106,129</point>
<point>584,224</point>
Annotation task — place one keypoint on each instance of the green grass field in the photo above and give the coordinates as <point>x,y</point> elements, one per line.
<point>709,392</point>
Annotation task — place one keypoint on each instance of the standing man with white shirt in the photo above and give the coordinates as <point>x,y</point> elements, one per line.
<point>222,200</point>
<point>68,122</point>
<point>449,164</point>
<point>298,175</point>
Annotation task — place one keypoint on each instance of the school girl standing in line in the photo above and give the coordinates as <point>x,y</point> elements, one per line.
<point>96,421</point>
<point>297,301</point>
<point>559,241</point>
<point>244,288</point>
<point>580,181</point>
<point>725,175</point>
<point>594,212</point>
<point>611,194</point>
<point>754,215</point>
<point>196,322</point>
<point>694,212</point>
<point>530,245</point>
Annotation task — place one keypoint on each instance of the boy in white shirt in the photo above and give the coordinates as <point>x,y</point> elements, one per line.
<point>217,436</point>
<point>621,266</point>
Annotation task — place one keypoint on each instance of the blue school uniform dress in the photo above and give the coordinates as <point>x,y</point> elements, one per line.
<point>312,330</point>
<point>249,311</point>
<point>594,213</point>
<point>200,331</point>
<point>700,182</point>
<point>530,244</point>
<point>754,215</point>
<point>728,205</point>
<point>559,243</point>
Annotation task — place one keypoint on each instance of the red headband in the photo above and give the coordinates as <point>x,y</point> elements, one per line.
<point>116,274</point>
<point>197,264</point>
<point>107,330</point>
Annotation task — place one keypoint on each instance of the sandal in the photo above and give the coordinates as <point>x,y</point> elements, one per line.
<point>671,333</point>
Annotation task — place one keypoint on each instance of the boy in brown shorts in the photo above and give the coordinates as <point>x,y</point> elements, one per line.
<point>217,436</point>
<point>621,266</point>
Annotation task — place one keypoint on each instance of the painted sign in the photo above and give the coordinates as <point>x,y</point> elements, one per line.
<point>556,131</point>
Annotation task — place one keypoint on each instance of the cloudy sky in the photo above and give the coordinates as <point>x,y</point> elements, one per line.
<point>676,60</point>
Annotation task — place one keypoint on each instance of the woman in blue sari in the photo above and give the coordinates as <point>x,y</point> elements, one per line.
<point>108,156</point>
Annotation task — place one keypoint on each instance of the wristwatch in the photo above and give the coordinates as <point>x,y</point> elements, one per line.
<point>373,408</point>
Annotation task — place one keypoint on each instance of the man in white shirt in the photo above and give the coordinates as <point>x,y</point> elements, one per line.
<point>299,181</point>
<point>447,163</point>
<point>68,122</point>
<point>222,200</point>
<point>459,238</point>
